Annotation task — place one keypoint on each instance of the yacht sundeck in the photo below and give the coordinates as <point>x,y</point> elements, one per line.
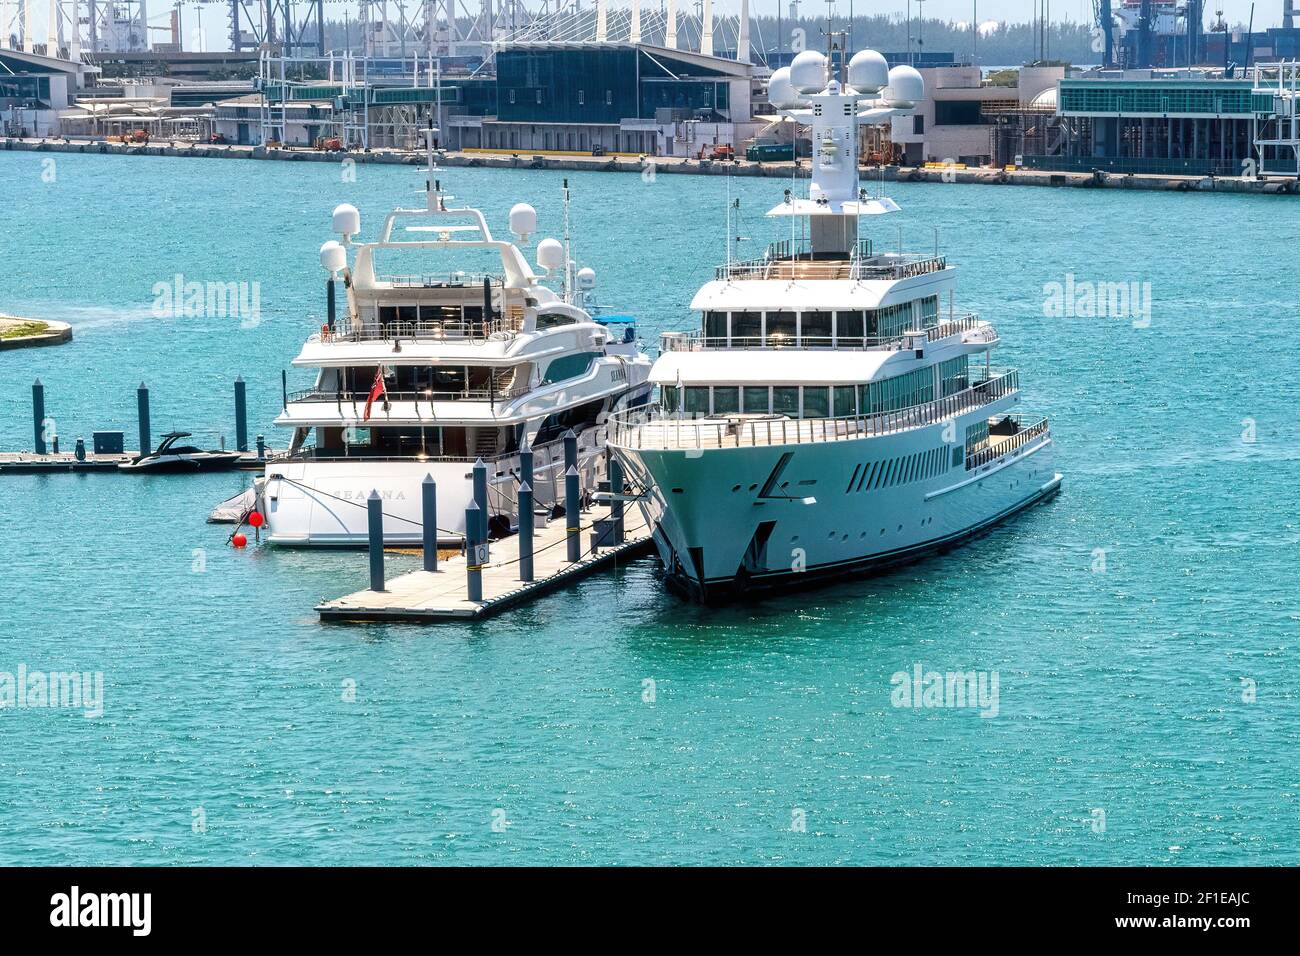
<point>469,354</point>
<point>835,413</point>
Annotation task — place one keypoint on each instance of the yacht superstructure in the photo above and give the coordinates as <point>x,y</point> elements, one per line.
<point>467,355</point>
<point>835,413</point>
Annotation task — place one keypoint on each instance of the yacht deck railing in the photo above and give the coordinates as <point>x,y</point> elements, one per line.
<point>1007,445</point>
<point>696,341</point>
<point>656,429</point>
<point>787,260</point>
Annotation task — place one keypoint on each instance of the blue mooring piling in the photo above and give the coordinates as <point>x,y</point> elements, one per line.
<point>616,497</point>
<point>474,570</point>
<point>572,513</point>
<point>429,518</point>
<point>38,415</point>
<point>481,499</point>
<point>142,412</point>
<point>375,525</point>
<point>526,465</point>
<point>526,530</point>
<point>570,450</point>
<point>241,414</point>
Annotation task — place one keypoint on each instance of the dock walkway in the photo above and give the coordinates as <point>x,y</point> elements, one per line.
<point>441,595</point>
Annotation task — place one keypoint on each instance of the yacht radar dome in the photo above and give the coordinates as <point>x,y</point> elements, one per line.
<point>523,220</point>
<point>550,254</point>
<point>868,72</point>
<point>586,278</point>
<point>347,221</point>
<point>905,90</point>
<point>780,91</point>
<point>333,257</point>
<point>808,72</point>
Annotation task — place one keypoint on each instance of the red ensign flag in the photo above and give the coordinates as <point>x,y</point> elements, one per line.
<point>375,391</point>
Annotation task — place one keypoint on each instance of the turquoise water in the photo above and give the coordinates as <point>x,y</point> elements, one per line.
<point>1120,690</point>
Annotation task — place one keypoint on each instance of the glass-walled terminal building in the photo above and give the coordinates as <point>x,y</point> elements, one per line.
<point>611,98</point>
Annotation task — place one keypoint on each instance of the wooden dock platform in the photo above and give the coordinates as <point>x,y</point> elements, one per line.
<point>425,596</point>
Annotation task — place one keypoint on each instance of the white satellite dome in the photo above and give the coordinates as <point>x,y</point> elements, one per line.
<point>905,89</point>
<point>333,257</point>
<point>868,71</point>
<point>780,91</point>
<point>347,221</point>
<point>808,72</point>
<point>523,220</point>
<point>550,254</point>
<point>586,278</point>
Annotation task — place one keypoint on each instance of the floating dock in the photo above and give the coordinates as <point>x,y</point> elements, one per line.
<point>432,596</point>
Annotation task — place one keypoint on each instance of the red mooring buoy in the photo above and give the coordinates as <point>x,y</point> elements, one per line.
<point>239,541</point>
<point>255,519</point>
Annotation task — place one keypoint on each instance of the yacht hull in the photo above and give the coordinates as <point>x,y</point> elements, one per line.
<point>322,503</point>
<point>732,522</point>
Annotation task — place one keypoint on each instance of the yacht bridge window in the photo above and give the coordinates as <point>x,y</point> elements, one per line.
<point>816,401</point>
<point>818,328</point>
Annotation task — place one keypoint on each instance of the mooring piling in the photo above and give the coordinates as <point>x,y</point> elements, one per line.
<point>142,413</point>
<point>79,452</point>
<point>572,513</point>
<point>429,518</point>
<point>481,499</point>
<point>570,450</point>
<point>473,553</point>
<point>375,525</point>
<point>525,532</point>
<point>241,414</point>
<point>38,415</point>
<point>261,447</point>
<point>616,497</point>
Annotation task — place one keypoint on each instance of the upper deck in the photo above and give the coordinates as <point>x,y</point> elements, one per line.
<point>793,260</point>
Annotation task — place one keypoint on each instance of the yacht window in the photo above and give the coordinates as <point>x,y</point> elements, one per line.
<point>746,325</point>
<point>408,313</point>
<point>891,321</point>
<point>844,401</point>
<point>929,312</point>
<point>726,400</point>
<point>697,400</point>
<point>670,398</point>
<point>785,400</point>
<point>439,313</point>
<point>551,320</point>
<point>815,329</point>
<point>817,402</point>
<point>756,399</point>
<point>568,366</point>
<point>448,379</point>
<point>954,374</point>
<point>715,325</point>
<point>781,328</point>
<point>387,314</point>
<point>848,325</point>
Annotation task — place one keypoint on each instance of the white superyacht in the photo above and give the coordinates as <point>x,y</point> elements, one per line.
<point>834,414</point>
<point>465,355</point>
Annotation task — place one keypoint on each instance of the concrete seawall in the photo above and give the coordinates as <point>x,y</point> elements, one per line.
<point>668,166</point>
